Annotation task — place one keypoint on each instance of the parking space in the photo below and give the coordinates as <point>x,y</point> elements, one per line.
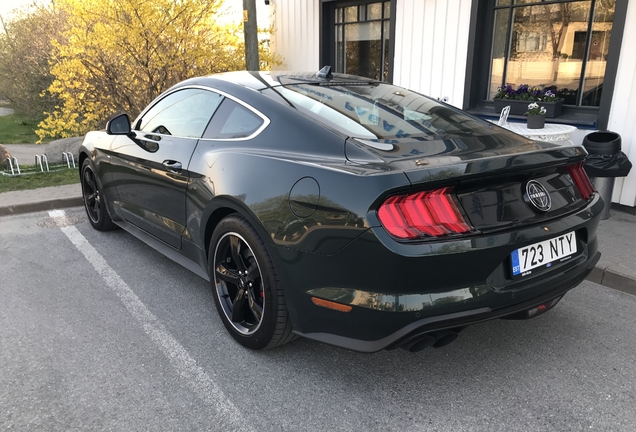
<point>98,331</point>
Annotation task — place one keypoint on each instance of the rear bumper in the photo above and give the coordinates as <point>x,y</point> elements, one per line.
<point>449,321</point>
<point>398,291</point>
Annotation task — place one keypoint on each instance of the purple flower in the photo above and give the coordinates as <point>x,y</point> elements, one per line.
<point>525,92</point>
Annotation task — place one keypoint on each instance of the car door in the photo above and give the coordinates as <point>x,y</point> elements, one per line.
<point>149,167</point>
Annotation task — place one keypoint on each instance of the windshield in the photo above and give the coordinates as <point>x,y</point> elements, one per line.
<point>380,111</point>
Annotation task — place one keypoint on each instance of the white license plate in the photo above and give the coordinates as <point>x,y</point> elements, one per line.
<point>543,253</point>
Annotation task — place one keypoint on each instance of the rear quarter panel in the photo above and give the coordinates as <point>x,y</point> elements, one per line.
<point>258,185</point>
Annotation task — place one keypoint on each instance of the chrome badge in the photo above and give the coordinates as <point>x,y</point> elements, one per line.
<point>538,196</point>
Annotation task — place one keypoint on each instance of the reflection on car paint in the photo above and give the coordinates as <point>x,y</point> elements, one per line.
<point>389,302</point>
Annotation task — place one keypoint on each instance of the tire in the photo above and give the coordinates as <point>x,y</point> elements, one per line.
<point>246,289</point>
<point>94,201</point>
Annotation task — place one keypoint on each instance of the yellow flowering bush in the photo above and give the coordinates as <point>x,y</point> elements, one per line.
<point>118,55</point>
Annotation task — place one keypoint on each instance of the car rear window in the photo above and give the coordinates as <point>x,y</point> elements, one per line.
<point>378,111</point>
<point>231,121</point>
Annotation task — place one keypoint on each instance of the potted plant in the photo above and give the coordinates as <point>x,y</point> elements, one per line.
<point>518,99</point>
<point>536,116</point>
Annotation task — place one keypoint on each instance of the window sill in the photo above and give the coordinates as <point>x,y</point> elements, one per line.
<point>582,118</point>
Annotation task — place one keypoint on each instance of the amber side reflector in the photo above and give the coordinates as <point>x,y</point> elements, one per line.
<point>331,305</point>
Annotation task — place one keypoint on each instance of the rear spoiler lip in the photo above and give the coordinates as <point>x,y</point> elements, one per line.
<point>486,167</point>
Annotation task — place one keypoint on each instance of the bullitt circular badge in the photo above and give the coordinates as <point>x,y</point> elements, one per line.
<point>537,195</point>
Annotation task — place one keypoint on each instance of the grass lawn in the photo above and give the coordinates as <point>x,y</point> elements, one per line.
<point>18,129</point>
<point>35,181</point>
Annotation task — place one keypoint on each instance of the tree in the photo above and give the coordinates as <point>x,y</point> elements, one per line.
<point>118,55</point>
<point>25,50</point>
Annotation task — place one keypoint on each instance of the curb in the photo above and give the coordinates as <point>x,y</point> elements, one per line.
<point>613,277</point>
<point>41,206</point>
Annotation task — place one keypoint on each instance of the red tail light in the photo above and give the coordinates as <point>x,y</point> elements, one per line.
<point>418,215</point>
<point>582,180</point>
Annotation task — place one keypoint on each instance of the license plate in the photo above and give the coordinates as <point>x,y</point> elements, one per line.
<point>543,253</point>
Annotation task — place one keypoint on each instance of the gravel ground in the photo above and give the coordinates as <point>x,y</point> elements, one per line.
<point>5,111</point>
<point>53,150</point>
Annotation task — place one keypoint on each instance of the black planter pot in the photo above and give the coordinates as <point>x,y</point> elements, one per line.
<point>519,108</point>
<point>536,121</point>
<point>602,143</point>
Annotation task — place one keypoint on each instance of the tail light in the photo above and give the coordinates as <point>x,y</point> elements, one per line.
<point>422,214</point>
<point>582,180</point>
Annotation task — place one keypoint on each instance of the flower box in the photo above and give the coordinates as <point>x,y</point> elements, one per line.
<point>520,107</point>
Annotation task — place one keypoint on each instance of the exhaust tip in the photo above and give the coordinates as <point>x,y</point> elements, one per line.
<point>436,339</point>
<point>421,343</point>
<point>444,337</point>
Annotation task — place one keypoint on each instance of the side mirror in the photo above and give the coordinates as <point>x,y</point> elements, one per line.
<point>118,125</point>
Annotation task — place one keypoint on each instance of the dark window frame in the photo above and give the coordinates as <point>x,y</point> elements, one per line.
<point>327,39</point>
<point>479,61</point>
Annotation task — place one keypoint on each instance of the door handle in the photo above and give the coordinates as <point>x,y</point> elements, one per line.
<point>173,166</point>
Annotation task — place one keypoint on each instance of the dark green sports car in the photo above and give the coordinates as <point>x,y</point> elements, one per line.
<point>344,209</point>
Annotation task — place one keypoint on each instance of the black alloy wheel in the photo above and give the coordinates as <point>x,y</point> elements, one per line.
<point>247,294</point>
<point>239,283</point>
<point>93,201</point>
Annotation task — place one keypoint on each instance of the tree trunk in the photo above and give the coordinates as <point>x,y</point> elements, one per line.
<point>251,35</point>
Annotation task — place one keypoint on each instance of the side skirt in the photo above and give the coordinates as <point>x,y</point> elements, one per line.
<point>190,256</point>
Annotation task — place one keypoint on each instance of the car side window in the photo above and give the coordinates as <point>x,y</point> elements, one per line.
<point>232,120</point>
<point>184,113</point>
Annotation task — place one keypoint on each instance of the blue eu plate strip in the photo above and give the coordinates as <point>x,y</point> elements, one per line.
<point>516,268</point>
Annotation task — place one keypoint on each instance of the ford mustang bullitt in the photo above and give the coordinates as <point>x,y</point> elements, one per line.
<point>343,209</point>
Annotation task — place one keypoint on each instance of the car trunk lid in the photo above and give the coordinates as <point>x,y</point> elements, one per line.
<point>489,174</point>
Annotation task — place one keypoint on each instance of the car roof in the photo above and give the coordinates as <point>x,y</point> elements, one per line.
<point>259,80</point>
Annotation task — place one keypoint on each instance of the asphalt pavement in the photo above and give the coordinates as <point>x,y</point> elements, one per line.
<point>100,332</point>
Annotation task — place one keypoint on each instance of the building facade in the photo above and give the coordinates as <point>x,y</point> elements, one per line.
<point>462,51</point>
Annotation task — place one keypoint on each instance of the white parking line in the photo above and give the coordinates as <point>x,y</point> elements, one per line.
<point>186,366</point>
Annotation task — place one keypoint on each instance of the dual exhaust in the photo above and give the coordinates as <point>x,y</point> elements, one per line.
<point>435,339</point>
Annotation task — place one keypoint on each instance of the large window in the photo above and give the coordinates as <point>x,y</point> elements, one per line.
<point>362,39</point>
<point>559,43</point>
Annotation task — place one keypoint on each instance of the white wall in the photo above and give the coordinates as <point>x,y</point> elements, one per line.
<point>431,47</point>
<point>623,113</point>
<point>431,41</point>
<point>296,35</point>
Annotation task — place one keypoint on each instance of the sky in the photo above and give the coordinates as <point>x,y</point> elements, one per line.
<point>6,6</point>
